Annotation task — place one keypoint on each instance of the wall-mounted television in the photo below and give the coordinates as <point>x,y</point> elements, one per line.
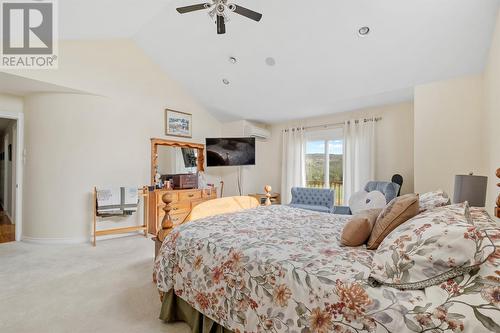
<point>230,151</point>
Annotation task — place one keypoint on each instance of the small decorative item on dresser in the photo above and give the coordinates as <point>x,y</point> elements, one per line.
<point>178,123</point>
<point>268,190</point>
<point>497,208</point>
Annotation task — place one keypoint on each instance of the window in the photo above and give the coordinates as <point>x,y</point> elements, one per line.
<point>324,161</point>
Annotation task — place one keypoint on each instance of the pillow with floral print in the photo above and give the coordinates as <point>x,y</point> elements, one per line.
<point>431,248</point>
<point>434,199</point>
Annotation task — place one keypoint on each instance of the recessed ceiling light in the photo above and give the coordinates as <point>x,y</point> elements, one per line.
<point>270,61</point>
<point>225,81</point>
<point>363,31</point>
<point>233,60</point>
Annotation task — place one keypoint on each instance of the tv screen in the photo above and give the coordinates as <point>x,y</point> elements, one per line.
<point>230,151</point>
<point>190,158</point>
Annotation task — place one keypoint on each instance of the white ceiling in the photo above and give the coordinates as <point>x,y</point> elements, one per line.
<point>322,66</point>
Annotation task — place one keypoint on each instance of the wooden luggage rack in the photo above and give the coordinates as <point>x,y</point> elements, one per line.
<point>144,193</point>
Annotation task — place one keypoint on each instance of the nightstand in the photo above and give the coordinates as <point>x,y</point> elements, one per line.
<point>261,198</point>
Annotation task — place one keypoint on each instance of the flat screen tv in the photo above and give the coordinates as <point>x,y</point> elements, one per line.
<point>230,151</point>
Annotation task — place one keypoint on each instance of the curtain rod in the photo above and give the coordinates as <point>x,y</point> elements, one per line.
<point>331,125</point>
<point>336,124</point>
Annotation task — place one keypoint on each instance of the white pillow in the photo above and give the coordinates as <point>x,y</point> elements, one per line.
<point>363,200</point>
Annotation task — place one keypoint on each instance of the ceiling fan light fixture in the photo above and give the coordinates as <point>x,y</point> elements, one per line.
<point>218,10</point>
<point>363,31</point>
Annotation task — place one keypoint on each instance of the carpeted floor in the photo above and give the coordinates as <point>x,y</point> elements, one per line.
<point>78,288</point>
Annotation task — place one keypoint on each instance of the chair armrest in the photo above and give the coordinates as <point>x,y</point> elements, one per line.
<point>342,210</point>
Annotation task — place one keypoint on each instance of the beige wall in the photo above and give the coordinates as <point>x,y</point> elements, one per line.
<point>394,147</point>
<point>492,116</point>
<point>253,177</point>
<point>11,103</point>
<point>76,141</point>
<point>448,132</point>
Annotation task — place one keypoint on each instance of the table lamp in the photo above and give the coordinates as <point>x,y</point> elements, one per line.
<point>470,188</point>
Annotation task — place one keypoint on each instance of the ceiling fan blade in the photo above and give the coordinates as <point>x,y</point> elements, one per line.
<point>247,13</point>
<point>192,8</point>
<point>221,25</point>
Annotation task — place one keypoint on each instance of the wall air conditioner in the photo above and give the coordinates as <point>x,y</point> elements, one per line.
<point>257,132</point>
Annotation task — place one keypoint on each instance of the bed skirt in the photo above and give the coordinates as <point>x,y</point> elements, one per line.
<point>175,309</point>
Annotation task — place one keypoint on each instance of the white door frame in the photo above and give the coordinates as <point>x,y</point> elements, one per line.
<point>18,186</point>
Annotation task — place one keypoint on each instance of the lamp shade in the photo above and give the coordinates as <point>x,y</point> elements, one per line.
<point>470,188</point>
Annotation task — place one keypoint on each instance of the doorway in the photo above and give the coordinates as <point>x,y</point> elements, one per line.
<point>8,176</point>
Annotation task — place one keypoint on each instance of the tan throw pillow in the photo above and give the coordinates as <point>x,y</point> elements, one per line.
<point>398,211</point>
<point>357,231</point>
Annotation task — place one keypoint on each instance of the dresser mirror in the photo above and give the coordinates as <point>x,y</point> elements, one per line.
<point>175,157</point>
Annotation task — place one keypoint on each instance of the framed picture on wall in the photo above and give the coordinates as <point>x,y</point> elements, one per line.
<point>10,152</point>
<point>178,124</point>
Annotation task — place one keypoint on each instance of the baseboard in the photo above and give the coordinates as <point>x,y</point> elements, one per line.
<point>128,234</point>
<point>55,241</point>
<point>68,241</point>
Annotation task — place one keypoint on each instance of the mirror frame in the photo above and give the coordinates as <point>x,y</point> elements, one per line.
<point>155,142</point>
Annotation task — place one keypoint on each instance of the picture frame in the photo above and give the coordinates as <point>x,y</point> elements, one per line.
<point>10,152</point>
<point>178,124</point>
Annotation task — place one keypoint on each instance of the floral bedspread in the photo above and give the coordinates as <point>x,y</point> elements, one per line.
<point>282,269</point>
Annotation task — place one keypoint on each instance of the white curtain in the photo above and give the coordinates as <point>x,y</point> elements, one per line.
<point>359,155</point>
<point>293,162</point>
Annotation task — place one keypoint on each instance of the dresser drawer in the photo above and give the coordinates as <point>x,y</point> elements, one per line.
<point>177,208</point>
<point>178,218</point>
<point>189,195</point>
<point>180,207</point>
<point>209,194</point>
<point>196,202</point>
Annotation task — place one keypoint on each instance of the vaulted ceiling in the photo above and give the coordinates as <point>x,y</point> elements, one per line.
<point>321,64</point>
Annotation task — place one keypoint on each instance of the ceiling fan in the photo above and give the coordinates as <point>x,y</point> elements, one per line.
<point>218,10</point>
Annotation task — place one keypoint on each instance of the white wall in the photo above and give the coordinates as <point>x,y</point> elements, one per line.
<point>492,117</point>
<point>448,132</point>
<point>394,146</point>
<point>76,141</point>
<point>253,177</point>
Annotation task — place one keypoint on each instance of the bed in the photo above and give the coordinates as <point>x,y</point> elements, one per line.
<point>281,269</point>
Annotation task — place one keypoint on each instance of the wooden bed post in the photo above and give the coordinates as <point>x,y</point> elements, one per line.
<point>268,190</point>
<point>166,224</point>
<point>497,208</point>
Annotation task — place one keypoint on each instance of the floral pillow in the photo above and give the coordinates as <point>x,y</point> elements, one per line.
<point>433,199</point>
<point>431,248</point>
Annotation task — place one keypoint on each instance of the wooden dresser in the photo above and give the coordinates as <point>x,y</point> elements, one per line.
<point>182,203</point>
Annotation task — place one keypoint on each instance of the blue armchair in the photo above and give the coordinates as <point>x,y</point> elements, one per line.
<point>389,189</point>
<point>317,199</point>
